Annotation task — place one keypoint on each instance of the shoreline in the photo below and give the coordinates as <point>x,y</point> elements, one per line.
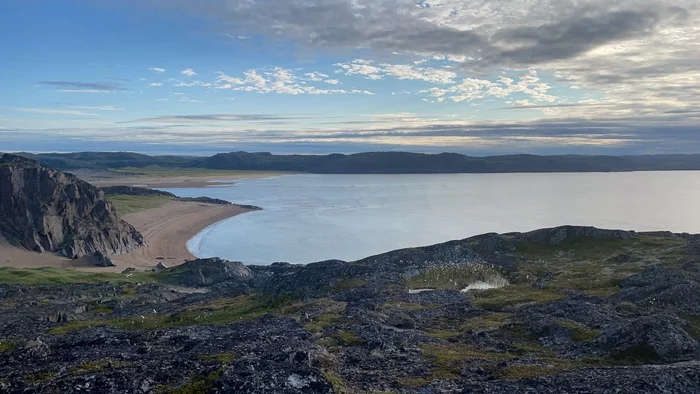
<point>166,230</point>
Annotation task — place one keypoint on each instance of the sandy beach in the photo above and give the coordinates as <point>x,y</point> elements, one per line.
<point>166,230</point>
<point>174,182</point>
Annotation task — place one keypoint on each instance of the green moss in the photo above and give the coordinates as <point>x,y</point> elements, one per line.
<point>98,366</point>
<point>500,299</point>
<point>578,248</point>
<point>453,276</point>
<point>407,306</point>
<point>7,345</point>
<point>221,312</point>
<point>40,376</point>
<point>319,323</point>
<point>19,276</point>
<point>101,309</point>
<point>448,359</point>
<point>347,338</point>
<point>442,334</point>
<point>224,358</point>
<point>579,332</point>
<point>340,386</point>
<point>487,321</point>
<point>347,284</point>
<point>199,384</point>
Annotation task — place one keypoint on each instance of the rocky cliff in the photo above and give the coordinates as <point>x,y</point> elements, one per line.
<point>45,210</point>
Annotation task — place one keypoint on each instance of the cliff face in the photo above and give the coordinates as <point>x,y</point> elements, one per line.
<point>45,210</point>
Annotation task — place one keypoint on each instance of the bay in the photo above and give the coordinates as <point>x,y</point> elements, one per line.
<point>309,218</point>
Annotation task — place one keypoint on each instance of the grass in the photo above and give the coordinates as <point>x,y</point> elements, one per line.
<point>453,276</point>
<point>126,204</point>
<point>347,284</point>
<point>347,338</point>
<point>578,248</point>
<point>448,359</point>
<point>23,276</point>
<point>199,383</point>
<point>579,332</point>
<point>40,376</point>
<point>98,366</point>
<point>219,312</point>
<point>223,358</point>
<point>319,323</point>
<point>488,321</point>
<point>7,346</point>
<point>340,386</point>
<point>500,299</point>
<point>407,306</point>
<point>101,309</point>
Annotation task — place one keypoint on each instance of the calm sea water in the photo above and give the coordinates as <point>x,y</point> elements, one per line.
<point>309,218</point>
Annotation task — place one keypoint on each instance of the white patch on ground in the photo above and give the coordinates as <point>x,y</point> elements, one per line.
<point>495,283</point>
<point>297,381</point>
<point>416,291</point>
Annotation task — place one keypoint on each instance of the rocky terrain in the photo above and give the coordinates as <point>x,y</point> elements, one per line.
<point>563,310</point>
<point>45,210</point>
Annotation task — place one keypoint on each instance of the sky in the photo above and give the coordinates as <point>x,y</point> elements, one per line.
<point>319,76</point>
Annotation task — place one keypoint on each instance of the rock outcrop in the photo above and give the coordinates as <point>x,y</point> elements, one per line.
<point>45,210</point>
<point>202,272</point>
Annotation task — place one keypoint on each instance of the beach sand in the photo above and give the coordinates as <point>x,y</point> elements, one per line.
<point>166,230</point>
<point>174,182</point>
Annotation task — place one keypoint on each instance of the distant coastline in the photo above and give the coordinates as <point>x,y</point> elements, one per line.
<point>246,164</point>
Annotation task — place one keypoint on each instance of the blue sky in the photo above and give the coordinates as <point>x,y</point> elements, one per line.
<point>324,76</point>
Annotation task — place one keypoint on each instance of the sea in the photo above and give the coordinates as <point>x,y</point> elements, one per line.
<point>308,218</point>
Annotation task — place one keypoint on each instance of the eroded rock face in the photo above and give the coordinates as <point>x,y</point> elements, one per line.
<point>45,210</point>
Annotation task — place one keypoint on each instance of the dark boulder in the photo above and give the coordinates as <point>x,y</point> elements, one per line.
<point>102,260</point>
<point>649,339</point>
<point>204,272</point>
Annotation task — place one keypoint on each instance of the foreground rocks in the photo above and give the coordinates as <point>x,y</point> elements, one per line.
<point>570,318</point>
<point>45,210</point>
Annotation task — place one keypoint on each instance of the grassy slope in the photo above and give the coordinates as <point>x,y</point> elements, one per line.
<point>20,276</point>
<point>125,204</point>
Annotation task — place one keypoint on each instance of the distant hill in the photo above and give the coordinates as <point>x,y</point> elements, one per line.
<point>373,162</point>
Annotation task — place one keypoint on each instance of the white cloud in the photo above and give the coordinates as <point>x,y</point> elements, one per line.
<point>49,111</point>
<point>155,84</point>
<point>98,108</point>
<point>470,89</point>
<point>157,69</point>
<point>280,81</point>
<point>371,70</point>
<point>193,83</point>
<point>316,76</point>
<point>188,72</point>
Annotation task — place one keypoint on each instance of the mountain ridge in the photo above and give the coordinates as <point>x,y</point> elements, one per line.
<point>374,162</point>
